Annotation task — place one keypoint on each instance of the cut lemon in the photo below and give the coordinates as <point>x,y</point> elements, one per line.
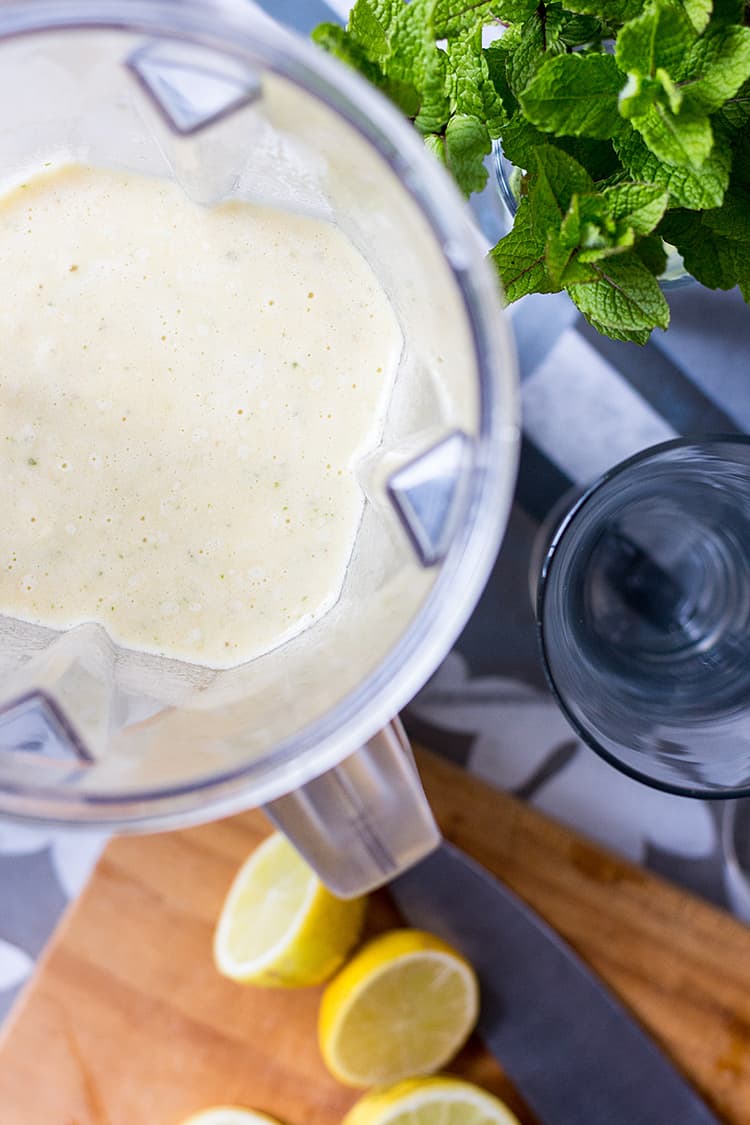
<point>229,1115</point>
<point>279,926</point>
<point>430,1101</point>
<point>402,1007</point>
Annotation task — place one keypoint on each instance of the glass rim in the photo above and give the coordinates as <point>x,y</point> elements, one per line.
<point>589,493</point>
<point>357,716</point>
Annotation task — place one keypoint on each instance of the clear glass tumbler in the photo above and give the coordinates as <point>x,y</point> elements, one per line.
<point>644,616</point>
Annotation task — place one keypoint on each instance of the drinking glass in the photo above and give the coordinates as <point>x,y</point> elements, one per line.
<point>643,611</point>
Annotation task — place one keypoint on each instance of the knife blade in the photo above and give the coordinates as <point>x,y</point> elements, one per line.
<point>574,1052</point>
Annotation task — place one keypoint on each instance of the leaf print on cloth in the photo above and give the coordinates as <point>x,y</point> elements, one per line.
<point>512,727</point>
<point>73,853</point>
<point>627,815</point>
<point>519,740</point>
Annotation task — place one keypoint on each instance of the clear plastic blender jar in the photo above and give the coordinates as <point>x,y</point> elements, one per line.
<point>230,107</point>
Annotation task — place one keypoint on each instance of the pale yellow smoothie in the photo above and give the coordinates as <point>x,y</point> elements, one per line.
<point>184,392</point>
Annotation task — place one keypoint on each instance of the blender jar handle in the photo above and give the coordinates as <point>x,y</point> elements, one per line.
<point>363,822</point>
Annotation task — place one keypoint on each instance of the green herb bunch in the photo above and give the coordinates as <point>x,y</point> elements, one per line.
<point>629,118</point>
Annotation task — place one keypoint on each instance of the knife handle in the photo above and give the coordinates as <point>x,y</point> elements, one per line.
<point>363,822</point>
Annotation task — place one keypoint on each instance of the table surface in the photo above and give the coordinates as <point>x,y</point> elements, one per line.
<point>588,402</point>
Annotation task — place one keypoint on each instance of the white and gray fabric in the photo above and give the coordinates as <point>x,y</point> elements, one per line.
<point>588,402</point>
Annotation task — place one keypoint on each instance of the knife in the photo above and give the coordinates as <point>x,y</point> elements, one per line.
<point>577,1056</point>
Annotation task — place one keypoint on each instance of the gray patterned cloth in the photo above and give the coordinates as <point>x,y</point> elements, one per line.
<point>588,402</point>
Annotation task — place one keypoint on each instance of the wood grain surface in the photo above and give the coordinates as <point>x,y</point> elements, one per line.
<point>127,1022</point>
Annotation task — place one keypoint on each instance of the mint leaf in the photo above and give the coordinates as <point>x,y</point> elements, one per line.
<point>574,95</point>
<point>467,72</point>
<point>561,245</point>
<point>610,12</point>
<point>412,42</point>
<point>362,56</point>
<point>435,144</point>
<point>557,178</point>
<point>529,54</point>
<point>712,259</point>
<point>600,234</point>
<point>338,42</point>
<point>684,139</point>
<point>403,95</point>
<point>493,109</point>
<point>435,102</point>
<point>414,59</point>
<point>625,296</point>
<point>552,205</point>
<point>698,12</point>
<point>673,92</point>
<point>697,190</point>
<point>735,113</point>
<point>450,17</point>
<point>570,227</point>
<point>514,11</point>
<point>632,336</point>
<point>650,249</point>
<point>641,92</point>
<point>578,30</point>
<point>717,66</point>
<point>496,57</point>
<point>587,233</point>
<point>557,255</point>
<point>660,37</point>
<point>638,95</point>
<point>519,259</point>
<point>370,23</point>
<point>607,247</point>
<point>578,273</point>
<point>732,219</point>
<point>519,138</point>
<point>715,261</point>
<point>467,142</point>
<point>472,90</point>
<point>640,206</point>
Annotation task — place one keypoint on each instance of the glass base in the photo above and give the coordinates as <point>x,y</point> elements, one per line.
<point>644,614</point>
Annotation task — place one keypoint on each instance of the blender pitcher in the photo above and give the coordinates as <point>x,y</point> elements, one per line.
<point>228,106</point>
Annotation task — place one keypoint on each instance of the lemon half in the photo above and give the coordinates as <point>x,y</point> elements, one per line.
<point>279,926</point>
<point>229,1115</point>
<point>430,1101</point>
<point>403,1006</point>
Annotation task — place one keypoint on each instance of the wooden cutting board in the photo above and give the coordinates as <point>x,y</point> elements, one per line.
<point>127,1022</point>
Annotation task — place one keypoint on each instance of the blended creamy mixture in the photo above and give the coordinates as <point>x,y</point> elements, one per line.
<point>183,393</point>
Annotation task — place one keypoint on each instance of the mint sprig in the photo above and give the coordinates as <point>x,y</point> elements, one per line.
<point>575,95</point>
<point>629,122</point>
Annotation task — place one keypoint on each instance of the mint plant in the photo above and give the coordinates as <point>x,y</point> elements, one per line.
<point>630,120</point>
